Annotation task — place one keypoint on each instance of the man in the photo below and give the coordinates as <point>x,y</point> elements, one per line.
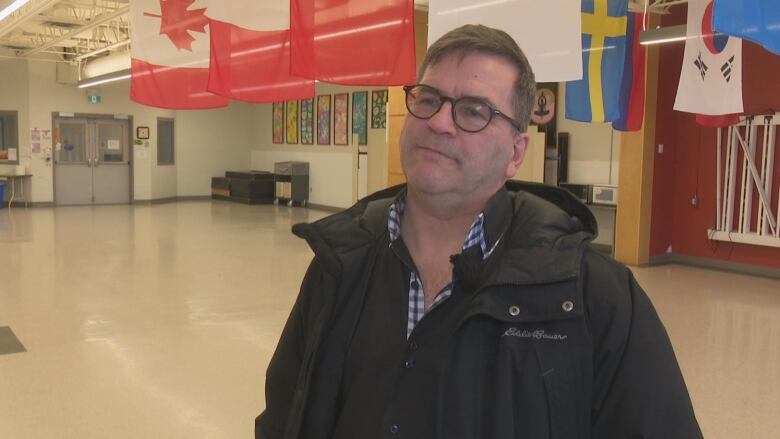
<point>458,307</point>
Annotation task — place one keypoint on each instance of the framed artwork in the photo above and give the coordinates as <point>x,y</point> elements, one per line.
<point>323,120</point>
<point>359,122</point>
<point>307,121</point>
<point>292,122</point>
<point>379,109</point>
<point>340,118</point>
<point>543,112</point>
<point>278,122</point>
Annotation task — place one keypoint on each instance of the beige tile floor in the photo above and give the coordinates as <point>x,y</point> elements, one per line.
<point>158,322</point>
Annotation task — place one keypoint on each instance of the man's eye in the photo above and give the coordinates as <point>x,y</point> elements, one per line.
<point>430,101</point>
<point>475,111</point>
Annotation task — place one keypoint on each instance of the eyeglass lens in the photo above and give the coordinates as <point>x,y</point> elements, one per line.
<point>470,114</point>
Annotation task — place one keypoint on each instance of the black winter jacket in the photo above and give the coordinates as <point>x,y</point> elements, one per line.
<point>586,356</point>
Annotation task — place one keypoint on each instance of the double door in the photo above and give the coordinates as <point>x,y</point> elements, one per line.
<point>91,161</point>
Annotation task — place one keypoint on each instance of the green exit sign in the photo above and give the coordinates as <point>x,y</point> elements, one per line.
<point>93,99</point>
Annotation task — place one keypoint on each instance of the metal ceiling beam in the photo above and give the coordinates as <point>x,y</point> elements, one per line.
<point>27,12</point>
<point>100,19</point>
<point>15,43</point>
<point>102,49</point>
<point>63,19</point>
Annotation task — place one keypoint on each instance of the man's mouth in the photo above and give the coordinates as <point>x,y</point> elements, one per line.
<point>435,151</point>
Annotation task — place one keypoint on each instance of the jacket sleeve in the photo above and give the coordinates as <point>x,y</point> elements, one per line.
<point>638,389</point>
<point>283,371</point>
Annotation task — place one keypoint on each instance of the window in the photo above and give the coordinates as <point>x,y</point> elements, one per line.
<point>9,137</point>
<point>164,141</point>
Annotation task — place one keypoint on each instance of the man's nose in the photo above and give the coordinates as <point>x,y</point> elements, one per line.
<point>442,121</point>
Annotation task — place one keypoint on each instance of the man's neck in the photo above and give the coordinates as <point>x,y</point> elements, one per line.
<point>438,222</point>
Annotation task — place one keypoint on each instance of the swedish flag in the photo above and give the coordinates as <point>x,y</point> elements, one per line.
<point>596,97</point>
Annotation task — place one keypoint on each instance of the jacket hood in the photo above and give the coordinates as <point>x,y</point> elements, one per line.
<point>547,225</point>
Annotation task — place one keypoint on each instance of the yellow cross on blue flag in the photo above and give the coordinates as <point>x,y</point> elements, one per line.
<point>596,97</point>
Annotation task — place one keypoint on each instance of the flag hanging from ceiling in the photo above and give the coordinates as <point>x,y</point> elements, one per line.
<point>596,97</point>
<point>353,42</point>
<point>711,77</point>
<point>754,20</point>
<point>170,55</point>
<point>547,31</point>
<point>250,51</point>
<point>719,121</point>
<point>632,88</point>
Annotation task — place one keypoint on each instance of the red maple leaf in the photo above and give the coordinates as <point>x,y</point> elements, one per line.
<point>177,22</point>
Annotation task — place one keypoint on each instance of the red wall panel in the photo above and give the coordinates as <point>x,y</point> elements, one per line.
<point>687,166</point>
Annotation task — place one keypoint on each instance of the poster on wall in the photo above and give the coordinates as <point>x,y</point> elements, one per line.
<point>340,118</point>
<point>379,109</point>
<point>359,116</point>
<point>307,121</point>
<point>292,122</point>
<point>278,122</point>
<point>323,120</point>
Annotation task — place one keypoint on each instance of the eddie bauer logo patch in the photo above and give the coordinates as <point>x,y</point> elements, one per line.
<point>538,334</point>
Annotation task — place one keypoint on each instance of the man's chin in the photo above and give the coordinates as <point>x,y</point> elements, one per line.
<point>429,183</point>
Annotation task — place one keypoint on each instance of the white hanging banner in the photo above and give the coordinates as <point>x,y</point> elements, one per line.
<point>547,31</point>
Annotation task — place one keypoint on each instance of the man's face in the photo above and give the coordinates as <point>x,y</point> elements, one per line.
<point>438,158</point>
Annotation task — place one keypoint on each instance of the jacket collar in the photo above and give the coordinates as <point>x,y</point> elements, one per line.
<point>541,239</point>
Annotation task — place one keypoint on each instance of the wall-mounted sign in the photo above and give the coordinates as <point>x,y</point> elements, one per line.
<point>93,99</point>
<point>142,132</point>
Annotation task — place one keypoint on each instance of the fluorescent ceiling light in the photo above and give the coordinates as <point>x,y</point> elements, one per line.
<point>104,79</point>
<point>8,10</point>
<point>663,35</point>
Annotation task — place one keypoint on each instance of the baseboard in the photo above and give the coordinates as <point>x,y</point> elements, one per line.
<point>156,201</point>
<point>715,264</point>
<point>173,199</point>
<point>193,198</point>
<point>20,204</point>
<point>331,209</point>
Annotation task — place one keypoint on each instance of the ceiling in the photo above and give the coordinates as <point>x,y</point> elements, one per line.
<point>81,30</point>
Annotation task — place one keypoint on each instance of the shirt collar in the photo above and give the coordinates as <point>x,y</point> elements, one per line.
<point>486,230</point>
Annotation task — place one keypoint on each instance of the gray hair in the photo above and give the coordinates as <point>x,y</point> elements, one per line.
<point>472,38</point>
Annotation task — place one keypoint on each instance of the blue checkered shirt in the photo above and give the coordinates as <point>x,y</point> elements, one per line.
<point>476,236</point>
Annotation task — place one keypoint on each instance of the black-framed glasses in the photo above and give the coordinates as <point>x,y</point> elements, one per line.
<point>469,113</point>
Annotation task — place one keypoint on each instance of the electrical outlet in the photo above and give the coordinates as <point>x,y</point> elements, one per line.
<point>660,148</point>
<point>695,201</point>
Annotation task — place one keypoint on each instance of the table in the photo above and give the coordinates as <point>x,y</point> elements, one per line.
<point>13,178</point>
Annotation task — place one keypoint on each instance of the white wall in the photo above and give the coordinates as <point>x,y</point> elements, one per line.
<point>330,173</point>
<point>594,158</point>
<point>47,96</point>
<point>332,167</point>
<point>14,86</point>
<point>594,148</point>
<point>210,142</point>
<point>207,142</point>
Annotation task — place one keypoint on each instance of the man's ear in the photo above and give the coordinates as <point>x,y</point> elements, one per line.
<point>519,148</point>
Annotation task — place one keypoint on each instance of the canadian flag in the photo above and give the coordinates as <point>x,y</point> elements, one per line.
<point>190,54</point>
<point>250,51</point>
<point>354,42</point>
<point>170,55</point>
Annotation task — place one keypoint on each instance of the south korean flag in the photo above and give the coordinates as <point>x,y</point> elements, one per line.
<point>711,77</point>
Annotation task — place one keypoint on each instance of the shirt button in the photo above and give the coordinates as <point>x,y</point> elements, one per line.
<point>395,429</point>
<point>409,364</point>
<point>415,285</point>
<point>514,310</point>
<point>568,306</point>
